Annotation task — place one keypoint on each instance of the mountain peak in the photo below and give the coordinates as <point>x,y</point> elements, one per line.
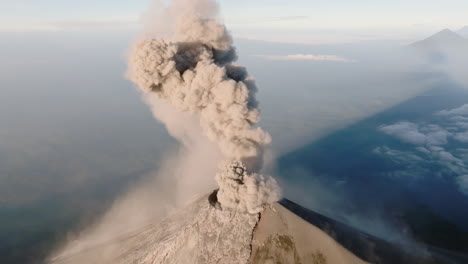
<point>446,35</point>
<point>443,38</point>
<point>445,31</point>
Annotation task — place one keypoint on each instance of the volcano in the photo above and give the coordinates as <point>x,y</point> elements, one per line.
<point>284,232</point>
<point>442,40</point>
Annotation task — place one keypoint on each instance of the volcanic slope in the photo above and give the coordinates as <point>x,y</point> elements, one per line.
<point>283,233</point>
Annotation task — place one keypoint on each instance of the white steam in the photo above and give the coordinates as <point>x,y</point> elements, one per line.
<point>186,62</point>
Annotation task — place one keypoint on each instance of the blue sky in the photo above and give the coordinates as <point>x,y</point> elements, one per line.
<point>295,20</point>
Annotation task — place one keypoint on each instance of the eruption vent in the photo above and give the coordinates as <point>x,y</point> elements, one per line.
<point>187,61</point>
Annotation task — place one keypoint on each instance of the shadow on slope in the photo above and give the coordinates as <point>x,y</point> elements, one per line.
<point>370,248</point>
<point>351,183</point>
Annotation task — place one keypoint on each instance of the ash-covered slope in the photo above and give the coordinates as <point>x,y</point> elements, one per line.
<point>283,233</point>
<point>283,237</point>
<point>201,233</point>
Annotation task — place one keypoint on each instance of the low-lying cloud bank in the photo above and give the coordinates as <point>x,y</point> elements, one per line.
<point>431,143</point>
<point>307,57</point>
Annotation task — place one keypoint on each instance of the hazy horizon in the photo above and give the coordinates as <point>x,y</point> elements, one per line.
<point>76,135</point>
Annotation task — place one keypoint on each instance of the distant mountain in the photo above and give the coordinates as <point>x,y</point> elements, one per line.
<point>463,32</point>
<point>442,45</point>
<point>441,40</point>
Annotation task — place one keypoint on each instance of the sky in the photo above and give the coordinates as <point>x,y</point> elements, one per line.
<point>302,21</point>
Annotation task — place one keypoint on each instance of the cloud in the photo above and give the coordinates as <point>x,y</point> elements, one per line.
<point>257,20</point>
<point>462,182</point>
<point>405,131</point>
<point>423,150</point>
<point>397,155</point>
<point>288,18</point>
<point>458,117</point>
<point>448,157</point>
<point>462,125</point>
<point>431,135</point>
<point>463,154</point>
<point>307,57</point>
<point>462,137</point>
<point>460,111</point>
<point>111,23</point>
<point>418,164</point>
<point>429,139</point>
<point>435,135</point>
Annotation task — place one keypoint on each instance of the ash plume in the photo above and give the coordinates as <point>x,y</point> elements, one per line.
<point>185,60</point>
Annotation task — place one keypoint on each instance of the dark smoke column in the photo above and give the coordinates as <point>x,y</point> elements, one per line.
<point>192,69</point>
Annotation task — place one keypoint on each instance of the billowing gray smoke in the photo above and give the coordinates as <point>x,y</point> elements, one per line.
<point>186,61</point>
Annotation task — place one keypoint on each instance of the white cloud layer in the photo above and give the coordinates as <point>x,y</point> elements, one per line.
<point>414,134</point>
<point>460,111</point>
<point>462,137</point>
<point>431,140</point>
<point>104,24</point>
<point>308,57</point>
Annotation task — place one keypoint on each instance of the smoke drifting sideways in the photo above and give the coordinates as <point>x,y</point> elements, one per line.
<point>186,62</point>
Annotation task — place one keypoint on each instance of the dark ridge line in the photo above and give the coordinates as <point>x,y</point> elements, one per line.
<point>373,249</point>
